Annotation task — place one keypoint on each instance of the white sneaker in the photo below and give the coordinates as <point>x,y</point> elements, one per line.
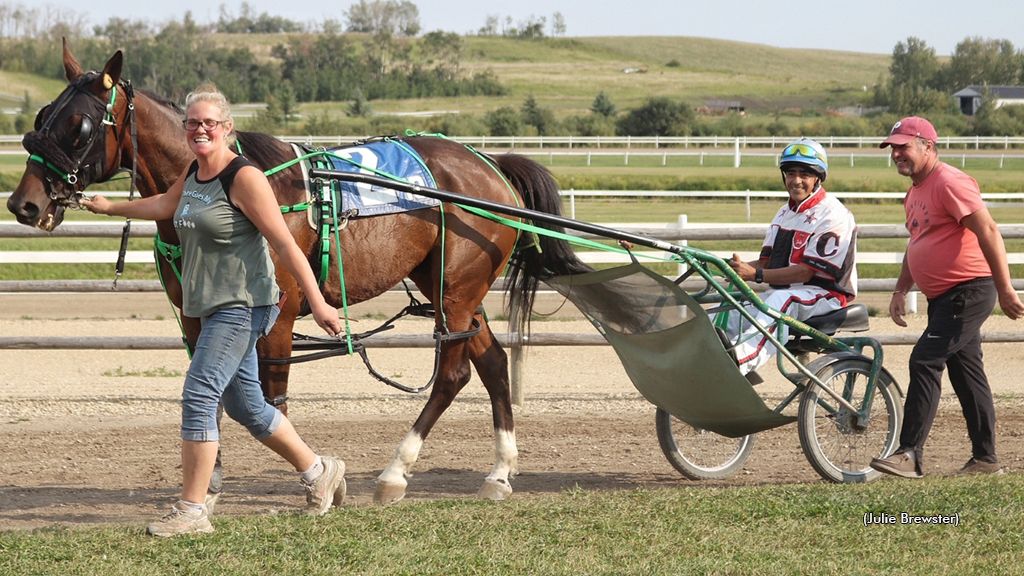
<point>328,488</point>
<point>181,520</point>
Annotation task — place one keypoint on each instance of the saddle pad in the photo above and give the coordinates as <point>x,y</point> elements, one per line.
<point>389,159</point>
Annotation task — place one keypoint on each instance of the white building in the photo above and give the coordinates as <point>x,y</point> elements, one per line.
<point>971,97</point>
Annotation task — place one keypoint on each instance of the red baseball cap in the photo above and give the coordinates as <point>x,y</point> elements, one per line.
<point>909,128</point>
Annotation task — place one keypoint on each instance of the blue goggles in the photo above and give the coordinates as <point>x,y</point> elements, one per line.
<point>802,151</point>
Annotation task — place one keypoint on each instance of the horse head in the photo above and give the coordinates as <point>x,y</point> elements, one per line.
<point>76,141</point>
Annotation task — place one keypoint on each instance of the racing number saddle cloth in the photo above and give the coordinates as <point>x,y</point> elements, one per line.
<point>387,158</point>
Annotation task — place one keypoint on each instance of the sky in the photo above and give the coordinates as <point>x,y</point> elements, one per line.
<point>866,26</point>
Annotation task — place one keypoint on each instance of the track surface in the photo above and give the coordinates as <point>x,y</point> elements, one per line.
<point>92,436</point>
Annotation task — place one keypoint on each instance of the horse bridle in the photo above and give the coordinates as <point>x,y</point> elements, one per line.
<point>44,147</point>
<point>76,170</point>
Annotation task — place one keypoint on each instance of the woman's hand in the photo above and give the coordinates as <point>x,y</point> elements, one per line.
<point>97,204</point>
<point>326,317</point>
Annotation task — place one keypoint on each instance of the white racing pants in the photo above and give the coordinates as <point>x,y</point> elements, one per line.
<point>754,349</point>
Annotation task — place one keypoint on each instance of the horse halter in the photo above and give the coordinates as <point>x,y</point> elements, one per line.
<point>75,152</point>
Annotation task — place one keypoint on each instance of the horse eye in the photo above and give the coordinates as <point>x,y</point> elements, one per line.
<point>79,130</point>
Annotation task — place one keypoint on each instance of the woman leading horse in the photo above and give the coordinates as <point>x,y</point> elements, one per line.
<point>100,126</point>
<point>228,219</point>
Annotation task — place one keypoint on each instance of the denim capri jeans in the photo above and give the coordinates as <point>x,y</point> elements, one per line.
<point>225,369</point>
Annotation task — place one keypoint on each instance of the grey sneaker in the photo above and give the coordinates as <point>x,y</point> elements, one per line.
<point>974,466</point>
<point>328,488</point>
<point>899,464</point>
<point>181,520</point>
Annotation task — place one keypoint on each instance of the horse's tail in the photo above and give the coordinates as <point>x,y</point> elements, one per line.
<point>550,256</point>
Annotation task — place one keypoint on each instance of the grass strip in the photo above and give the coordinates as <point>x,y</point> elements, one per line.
<point>772,529</point>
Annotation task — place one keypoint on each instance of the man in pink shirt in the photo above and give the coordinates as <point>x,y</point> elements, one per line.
<point>957,259</point>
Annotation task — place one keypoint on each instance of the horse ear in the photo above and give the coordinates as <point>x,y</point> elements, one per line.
<point>112,71</point>
<point>72,69</point>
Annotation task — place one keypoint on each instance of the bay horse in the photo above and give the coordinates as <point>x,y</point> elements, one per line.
<point>100,126</point>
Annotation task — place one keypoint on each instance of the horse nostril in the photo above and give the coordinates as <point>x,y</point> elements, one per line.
<point>26,210</point>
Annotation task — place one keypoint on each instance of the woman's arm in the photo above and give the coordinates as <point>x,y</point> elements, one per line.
<point>252,193</point>
<point>158,207</point>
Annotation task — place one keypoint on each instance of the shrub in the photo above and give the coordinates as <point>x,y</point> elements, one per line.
<point>542,119</point>
<point>589,125</point>
<point>504,121</point>
<point>323,125</point>
<point>456,125</point>
<point>658,117</point>
<point>604,106</point>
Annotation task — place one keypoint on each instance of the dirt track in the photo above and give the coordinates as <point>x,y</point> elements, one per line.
<point>91,436</point>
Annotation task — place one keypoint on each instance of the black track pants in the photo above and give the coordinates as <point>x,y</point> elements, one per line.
<point>953,340</point>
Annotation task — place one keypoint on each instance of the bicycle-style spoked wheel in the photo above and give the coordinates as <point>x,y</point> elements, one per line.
<point>838,445</point>
<point>701,454</point>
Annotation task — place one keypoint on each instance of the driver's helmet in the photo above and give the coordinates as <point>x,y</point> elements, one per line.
<point>806,152</point>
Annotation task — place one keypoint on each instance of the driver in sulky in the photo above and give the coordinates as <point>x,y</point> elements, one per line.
<point>807,259</point>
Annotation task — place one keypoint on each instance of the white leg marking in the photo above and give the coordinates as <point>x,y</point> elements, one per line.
<point>506,461</point>
<point>405,456</point>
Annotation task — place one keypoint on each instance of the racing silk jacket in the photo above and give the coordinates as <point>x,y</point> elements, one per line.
<point>820,233</point>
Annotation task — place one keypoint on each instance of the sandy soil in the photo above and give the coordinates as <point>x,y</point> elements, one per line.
<point>91,436</point>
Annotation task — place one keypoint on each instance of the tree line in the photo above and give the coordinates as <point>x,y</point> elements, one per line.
<point>321,67</point>
<point>377,51</point>
<point>919,84</point>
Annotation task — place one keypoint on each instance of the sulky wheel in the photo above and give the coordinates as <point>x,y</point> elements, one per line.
<point>838,445</point>
<point>701,454</point>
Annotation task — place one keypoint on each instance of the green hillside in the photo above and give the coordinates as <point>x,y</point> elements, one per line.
<point>565,74</point>
<point>568,73</point>
<point>14,85</point>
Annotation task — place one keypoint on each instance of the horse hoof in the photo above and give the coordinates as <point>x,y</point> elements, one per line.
<point>388,493</point>
<point>495,490</point>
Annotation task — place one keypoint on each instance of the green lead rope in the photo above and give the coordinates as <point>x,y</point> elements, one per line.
<point>341,268</point>
<point>171,253</point>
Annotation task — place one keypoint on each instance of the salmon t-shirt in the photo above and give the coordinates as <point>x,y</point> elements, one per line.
<point>942,252</point>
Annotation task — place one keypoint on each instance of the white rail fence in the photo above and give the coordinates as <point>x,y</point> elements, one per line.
<point>976,142</point>
<point>679,231</point>
<point>736,154</point>
<point>515,342</point>
<point>570,196</point>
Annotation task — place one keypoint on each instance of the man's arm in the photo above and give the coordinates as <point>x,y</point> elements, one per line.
<point>789,275</point>
<point>898,303</point>
<point>987,231</point>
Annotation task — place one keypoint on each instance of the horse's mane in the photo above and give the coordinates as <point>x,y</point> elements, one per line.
<point>163,101</point>
<point>261,149</point>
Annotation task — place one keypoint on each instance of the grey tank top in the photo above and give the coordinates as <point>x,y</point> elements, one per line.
<point>225,259</point>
